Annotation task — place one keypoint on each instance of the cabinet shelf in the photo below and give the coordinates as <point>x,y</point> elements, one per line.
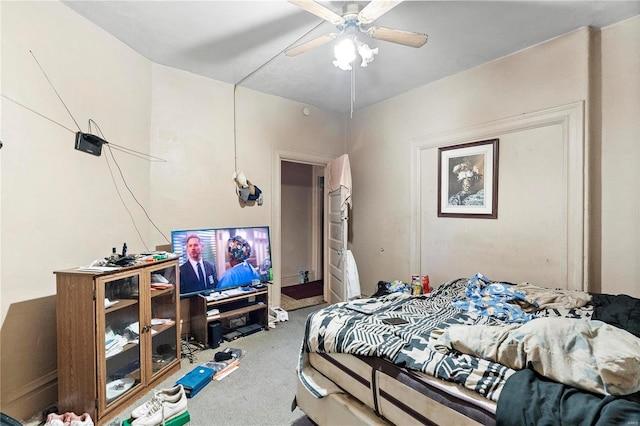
<point>155,292</point>
<point>161,328</point>
<point>125,348</point>
<point>122,303</point>
<point>236,312</point>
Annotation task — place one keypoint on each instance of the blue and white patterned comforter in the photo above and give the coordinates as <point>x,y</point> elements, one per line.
<point>358,328</point>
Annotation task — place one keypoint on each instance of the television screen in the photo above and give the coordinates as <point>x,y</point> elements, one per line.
<point>216,259</point>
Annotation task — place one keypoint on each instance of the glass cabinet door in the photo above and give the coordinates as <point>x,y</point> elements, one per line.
<point>164,323</point>
<point>119,312</point>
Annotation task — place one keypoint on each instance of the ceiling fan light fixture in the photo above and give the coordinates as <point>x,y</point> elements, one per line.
<point>366,53</point>
<point>345,53</point>
<point>347,49</point>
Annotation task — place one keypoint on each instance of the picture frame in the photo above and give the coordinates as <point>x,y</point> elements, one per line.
<point>468,180</point>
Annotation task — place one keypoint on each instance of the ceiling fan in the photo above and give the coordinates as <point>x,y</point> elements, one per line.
<point>355,20</point>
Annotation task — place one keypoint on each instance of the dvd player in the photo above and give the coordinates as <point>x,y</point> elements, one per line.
<point>247,330</point>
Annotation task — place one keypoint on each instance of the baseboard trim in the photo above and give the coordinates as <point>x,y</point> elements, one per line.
<point>30,399</point>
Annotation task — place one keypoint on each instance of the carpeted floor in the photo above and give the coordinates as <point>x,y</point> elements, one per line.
<point>299,296</point>
<point>290,304</point>
<point>259,393</point>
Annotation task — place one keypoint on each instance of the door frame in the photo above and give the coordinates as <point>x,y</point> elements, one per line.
<point>280,155</point>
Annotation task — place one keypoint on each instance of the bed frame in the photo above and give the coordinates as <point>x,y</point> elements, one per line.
<point>376,392</point>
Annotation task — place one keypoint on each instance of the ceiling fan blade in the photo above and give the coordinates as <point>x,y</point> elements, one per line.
<point>376,9</point>
<point>407,38</point>
<point>304,47</point>
<point>319,10</point>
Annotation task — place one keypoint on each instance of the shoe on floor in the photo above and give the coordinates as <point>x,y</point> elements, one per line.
<point>168,394</point>
<point>163,410</point>
<point>83,420</point>
<point>54,419</point>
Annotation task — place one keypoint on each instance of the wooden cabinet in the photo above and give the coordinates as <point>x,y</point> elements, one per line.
<point>118,334</point>
<point>252,306</point>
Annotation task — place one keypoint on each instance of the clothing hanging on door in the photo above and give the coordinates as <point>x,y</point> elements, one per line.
<point>339,172</point>
<point>353,280</point>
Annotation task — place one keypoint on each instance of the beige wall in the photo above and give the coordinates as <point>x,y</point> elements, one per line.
<point>532,235</point>
<point>59,206</point>
<point>192,128</point>
<point>616,228</point>
<point>555,73</point>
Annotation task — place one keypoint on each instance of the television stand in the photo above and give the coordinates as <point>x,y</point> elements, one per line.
<point>252,305</point>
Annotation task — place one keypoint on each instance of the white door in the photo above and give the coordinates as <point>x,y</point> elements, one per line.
<point>336,246</point>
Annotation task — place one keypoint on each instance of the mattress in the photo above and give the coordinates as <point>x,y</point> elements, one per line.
<point>401,396</point>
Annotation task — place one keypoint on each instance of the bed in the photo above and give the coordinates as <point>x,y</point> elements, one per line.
<point>474,351</point>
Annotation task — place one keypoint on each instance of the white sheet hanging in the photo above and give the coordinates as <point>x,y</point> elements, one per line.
<point>353,280</point>
<point>339,171</point>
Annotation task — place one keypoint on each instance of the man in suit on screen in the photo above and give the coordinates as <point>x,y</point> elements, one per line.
<point>196,274</point>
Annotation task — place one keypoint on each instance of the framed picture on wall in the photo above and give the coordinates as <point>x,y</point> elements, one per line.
<point>468,180</point>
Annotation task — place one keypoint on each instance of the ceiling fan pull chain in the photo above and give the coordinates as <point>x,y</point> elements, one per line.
<point>353,88</point>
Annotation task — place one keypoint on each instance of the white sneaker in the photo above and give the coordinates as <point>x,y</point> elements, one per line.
<point>163,410</point>
<point>162,394</point>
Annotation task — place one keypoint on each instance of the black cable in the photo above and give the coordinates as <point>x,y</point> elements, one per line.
<point>129,151</point>
<point>280,53</point>
<point>136,200</point>
<point>124,149</point>
<point>122,199</point>
<point>135,153</point>
<point>188,350</point>
<point>235,143</point>
<point>36,112</point>
<point>54,89</point>
<point>130,191</point>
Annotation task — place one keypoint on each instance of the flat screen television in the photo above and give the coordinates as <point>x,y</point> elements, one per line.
<point>230,258</point>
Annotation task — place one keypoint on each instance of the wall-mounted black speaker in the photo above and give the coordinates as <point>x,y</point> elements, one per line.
<point>91,144</point>
<point>215,334</point>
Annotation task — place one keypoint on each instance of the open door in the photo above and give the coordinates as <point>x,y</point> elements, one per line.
<point>327,258</point>
<point>338,187</point>
<point>337,246</point>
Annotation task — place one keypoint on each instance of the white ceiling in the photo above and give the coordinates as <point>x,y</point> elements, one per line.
<point>241,42</point>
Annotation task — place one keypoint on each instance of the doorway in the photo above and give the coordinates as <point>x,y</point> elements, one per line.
<point>317,241</point>
<point>301,233</point>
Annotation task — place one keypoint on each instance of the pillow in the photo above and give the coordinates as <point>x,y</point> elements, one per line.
<point>589,355</point>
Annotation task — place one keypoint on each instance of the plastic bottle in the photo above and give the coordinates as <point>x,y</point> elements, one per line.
<point>425,284</point>
<point>416,286</point>
<point>124,249</point>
